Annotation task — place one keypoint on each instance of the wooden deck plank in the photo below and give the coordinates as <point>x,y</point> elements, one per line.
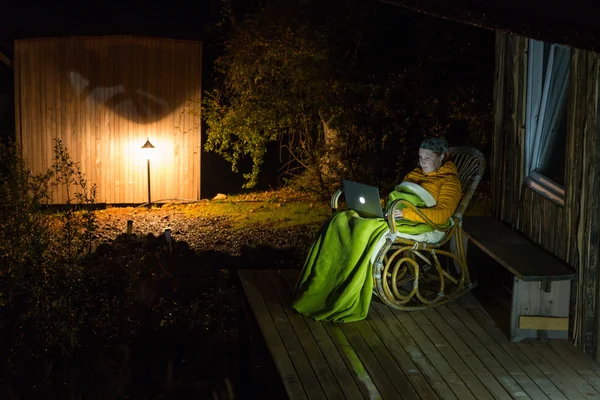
<point>450,354</point>
<point>469,357</point>
<point>434,389</point>
<point>483,354</point>
<point>552,373</point>
<point>454,351</point>
<point>560,366</point>
<point>385,322</point>
<point>445,369</point>
<point>329,335</point>
<point>275,344</point>
<point>592,364</point>
<point>397,376</point>
<point>520,358</point>
<point>578,366</point>
<point>307,375</point>
<point>557,362</point>
<point>384,384</point>
<point>353,361</point>
<point>316,358</point>
<point>499,353</point>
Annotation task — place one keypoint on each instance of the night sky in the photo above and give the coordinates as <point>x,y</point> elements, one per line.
<point>31,19</point>
<point>563,21</point>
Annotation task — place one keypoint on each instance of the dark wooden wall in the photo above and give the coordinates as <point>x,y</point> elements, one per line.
<point>103,96</point>
<point>570,231</point>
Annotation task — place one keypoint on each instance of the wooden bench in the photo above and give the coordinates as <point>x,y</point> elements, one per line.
<point>541,284</point>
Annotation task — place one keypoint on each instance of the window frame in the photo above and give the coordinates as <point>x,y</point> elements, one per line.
<point>535,180</point>
<point>546,187</point>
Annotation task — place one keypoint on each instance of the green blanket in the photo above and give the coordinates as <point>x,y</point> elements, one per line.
<point>411,192</point>
<point>415,195</point>
<point>336,283</point>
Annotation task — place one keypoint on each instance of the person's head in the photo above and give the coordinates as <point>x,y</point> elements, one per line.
<point>433,151</point>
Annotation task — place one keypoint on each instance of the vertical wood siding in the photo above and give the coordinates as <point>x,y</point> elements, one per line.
<point>571,232</point>
<point>103,96</point>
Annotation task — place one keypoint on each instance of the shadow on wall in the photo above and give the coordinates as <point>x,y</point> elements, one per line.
<point>142,81</point>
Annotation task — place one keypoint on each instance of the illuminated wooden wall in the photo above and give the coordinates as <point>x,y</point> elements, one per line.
<point>103,96</point>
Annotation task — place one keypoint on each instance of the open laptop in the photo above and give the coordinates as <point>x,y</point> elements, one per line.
<point>362,198</point>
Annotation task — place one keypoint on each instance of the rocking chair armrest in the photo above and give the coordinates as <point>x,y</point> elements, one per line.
<point>335,198</point>
<point>392,220</point>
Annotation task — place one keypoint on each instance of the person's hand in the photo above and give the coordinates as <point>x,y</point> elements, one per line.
<point>397,214</point>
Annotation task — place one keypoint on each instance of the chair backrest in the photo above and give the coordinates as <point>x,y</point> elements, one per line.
<point>470,163</point>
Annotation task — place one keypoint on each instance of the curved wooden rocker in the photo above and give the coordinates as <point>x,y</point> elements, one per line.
<point>407,274</point>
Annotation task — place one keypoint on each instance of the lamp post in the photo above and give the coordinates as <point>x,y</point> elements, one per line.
<point>148,151</point>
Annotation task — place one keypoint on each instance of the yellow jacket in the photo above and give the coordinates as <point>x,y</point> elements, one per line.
<point>444,186</point>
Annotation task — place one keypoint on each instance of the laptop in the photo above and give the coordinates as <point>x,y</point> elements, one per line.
<point>362,198</point>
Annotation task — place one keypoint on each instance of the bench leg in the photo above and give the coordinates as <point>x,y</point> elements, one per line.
<point>540,310</point>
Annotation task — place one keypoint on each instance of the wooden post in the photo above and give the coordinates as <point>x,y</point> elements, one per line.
<point>149,201</point>
<point>168,238</point>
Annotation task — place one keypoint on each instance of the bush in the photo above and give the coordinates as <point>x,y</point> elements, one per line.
<point>77,319</point>
<point>40,254</point>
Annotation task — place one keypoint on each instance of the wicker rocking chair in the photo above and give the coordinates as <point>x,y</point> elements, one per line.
<point>408,275</point>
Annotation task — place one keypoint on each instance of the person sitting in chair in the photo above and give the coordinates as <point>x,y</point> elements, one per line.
<point>336,281</point>
<point>436,183</point>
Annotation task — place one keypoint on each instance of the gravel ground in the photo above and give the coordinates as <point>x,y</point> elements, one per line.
<point>205,234</point>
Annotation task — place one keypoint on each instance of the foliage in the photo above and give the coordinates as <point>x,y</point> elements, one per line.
<point>275,88</point>
<point>24,239</point>
<point>77,220</point>
<point>39,251</point>
<point>341,96</point>
<point>135,294</point>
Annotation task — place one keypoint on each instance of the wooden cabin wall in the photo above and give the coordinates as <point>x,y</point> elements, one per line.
<point>571,232</point>
<point>103,97</point>
<point>583,189</point>
<point>509,125</point>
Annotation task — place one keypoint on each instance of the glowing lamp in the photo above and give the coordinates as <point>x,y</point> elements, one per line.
<point>148,149</point>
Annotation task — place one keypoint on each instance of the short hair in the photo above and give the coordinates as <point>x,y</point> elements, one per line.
<point>436,144</point>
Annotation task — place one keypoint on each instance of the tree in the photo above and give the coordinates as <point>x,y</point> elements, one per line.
<point>276,86</point>
<point>347,87</point>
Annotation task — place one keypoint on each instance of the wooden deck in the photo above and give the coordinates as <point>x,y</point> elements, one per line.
<point>450,352</point>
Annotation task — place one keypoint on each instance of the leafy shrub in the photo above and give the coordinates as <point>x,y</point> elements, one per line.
<point>40,255</point>
<point>77,319</point>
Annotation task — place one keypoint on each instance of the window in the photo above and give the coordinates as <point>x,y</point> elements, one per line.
<point>546,119</point>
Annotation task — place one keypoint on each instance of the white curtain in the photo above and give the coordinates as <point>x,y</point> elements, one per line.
<point>548,73</point>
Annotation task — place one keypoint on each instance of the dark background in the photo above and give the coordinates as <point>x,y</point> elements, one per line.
<point>393,38</point>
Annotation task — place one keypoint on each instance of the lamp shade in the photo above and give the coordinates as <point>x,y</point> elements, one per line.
<point>148,150</point>
<point>147,145</point>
